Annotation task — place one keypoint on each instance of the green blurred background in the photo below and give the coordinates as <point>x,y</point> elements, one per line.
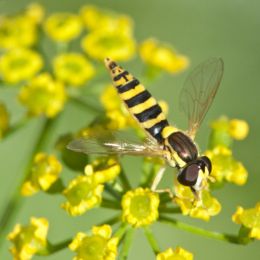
<point>198,29</point>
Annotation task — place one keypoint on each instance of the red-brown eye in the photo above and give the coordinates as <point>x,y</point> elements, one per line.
<point>188,176</point>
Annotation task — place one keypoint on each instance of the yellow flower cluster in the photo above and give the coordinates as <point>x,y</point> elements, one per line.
<point>30,239</point>
<point>35,12</point>
<point>116,112</point>
<point>19,64</point>
<point>224,130</point>
<point>100,45</point>
<point>99,245</point>
<point>176,254</point>
<point>17,31</point>
<point>225,167</point>
<point>105,169</point>
<point>45,171</point>
<point>73,69</point>
<point>43,95</point>
<point>204,208</point>
<point>162,56</point>
<point>85,192</point>
<point>63,27</point>
<point>140,207</point>
<point>97,19</point>
<point>4,120</point>
<point>82,194</point>
<point>250,219</point>
<point>110,35</point>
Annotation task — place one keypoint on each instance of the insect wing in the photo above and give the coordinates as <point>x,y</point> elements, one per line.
<point>112,146</point>
<point>199,91</point>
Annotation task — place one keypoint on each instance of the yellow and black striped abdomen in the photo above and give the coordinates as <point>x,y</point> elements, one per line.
<point>138,100</point>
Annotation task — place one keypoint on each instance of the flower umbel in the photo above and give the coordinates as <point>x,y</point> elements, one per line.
<point>43,95</point>
<point>17,31</point>
<point>162,56</point>
<point>250,219</point>
<point>140,207</point>
<point>204,208</point>
<point>99,245</point>
<point>103,169</point>
<point>63,27</point>
<point>225,167</point>
<point>82,194</point>
<point>20,64</point>
<point>176,254</point>
<point>28,240</point>
<point>114,44</point>
<point>97,19</point>
<point>73,69</point>
<point>45,171</point>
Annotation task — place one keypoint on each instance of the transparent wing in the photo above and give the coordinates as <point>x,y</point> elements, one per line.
<point>115,145</point>
<point>199,91</point>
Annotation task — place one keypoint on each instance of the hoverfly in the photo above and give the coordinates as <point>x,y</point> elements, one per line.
<point>175,146</point>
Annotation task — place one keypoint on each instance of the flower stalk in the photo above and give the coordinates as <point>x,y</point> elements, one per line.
<point>15,201</point>
<point>200,231</point>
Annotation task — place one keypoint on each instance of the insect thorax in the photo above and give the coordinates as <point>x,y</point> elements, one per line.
<point>181,148</point>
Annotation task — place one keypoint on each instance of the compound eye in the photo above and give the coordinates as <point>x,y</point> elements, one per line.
<point>188,176</point>
<point>207,163</point>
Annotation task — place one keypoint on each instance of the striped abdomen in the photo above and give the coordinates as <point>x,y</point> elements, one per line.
<point>138,100</point>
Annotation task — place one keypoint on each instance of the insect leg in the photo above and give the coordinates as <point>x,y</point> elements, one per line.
<point>158,178</point>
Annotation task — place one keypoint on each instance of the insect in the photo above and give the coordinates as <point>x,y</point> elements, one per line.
<point>164,140</point>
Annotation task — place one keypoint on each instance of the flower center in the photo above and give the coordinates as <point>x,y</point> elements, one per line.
<point>93,248</point>
<point>81,191</point>
<point>140,206</point>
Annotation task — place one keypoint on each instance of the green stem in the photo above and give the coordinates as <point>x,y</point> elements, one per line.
<point>124,180</point>
<point>82,103</point>
<point>175,210</point>
<point>53,248</point>
<point>199,231</point>
<point>110,204</point>
<point>126,244</point>
<point>121,231</point>
<point>112,192</point>
<point>15,201</point>
<point>152,241</point>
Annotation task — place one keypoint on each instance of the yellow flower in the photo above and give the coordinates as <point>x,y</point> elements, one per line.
<point>97,246</point>
<point>17,31</point>
<point>177,254</point>
<point>30,239</point>
<point>82,193</point>
<point>162,56</point>
<point>63,27</point>
<point>96,19</point>
<point>250,219</point>
<point>204,208</point>
<point>35,12</point>
<point>113,44</point>
<point>103,169</point>
<point>43,95</point>
<point>20,64</point>
<point>140,207</point>
<point>224,130</point>
<point>4,120</point>
<point>73,69</point>
<point>238,129</point>
<point>45,171</point>
<point>225,167</point>
<point>116,112</point>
